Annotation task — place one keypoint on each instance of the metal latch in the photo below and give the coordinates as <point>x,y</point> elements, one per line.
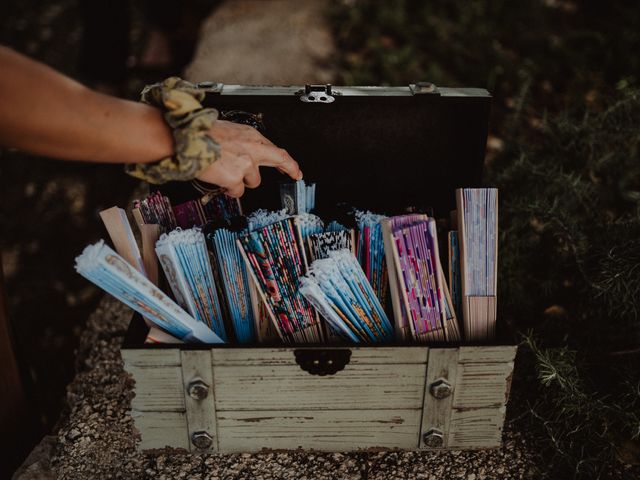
<point>317,94</point>
<point>210,87</point>
<point>322,362</point>
<point>422,88</point>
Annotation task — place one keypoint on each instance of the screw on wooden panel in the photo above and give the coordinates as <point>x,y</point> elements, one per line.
<point>433,438</point>
<point>440,388</point>
<point>197,389</point>
<point>202,440</point>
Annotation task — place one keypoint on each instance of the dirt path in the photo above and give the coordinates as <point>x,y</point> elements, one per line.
<point>278,42</point>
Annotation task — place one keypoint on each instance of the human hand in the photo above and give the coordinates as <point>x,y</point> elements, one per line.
<point>242,151</point>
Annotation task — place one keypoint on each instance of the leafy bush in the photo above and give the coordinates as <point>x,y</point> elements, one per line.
<point>566,50</point>
<point>570,279</point>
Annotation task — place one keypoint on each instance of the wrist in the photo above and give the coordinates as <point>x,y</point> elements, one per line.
<point>157,141</point>
<point>130,132</point>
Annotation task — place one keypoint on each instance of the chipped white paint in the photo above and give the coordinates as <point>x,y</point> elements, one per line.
<point>161,429</point>
<point>151,357</point>
<point>481,384</point>
<point>476,428</point>
<point>336,430</point>
<point>262,399</point>
<point>284,356</point>
<point>158,389</point>
<point>499,354</point>
<point>286,387</point>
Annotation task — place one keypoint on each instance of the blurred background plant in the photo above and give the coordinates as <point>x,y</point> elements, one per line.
<point>565,152</point>
<point>570,279</point>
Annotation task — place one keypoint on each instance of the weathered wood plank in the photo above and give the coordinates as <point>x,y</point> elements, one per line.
<point>285,356</point>
<point>497,354</point>
<point>161,429</point>
<point>476,428</point>
<point>288,387</point>
<point>264,399</point>
<point>201,412</point>
<point>279,356</point>
<point>157,389</point>
<point>482,384</point>
<point>442,365</point>
<point>150,358</point>
<point>337,430</point>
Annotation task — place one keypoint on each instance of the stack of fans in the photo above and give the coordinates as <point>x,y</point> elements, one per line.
<point>286,275</point>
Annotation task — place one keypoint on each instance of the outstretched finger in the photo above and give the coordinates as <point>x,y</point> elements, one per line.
<point>269,156</point>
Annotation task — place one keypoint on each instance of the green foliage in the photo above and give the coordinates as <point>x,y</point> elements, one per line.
<point>570,270</point>
<point>587,427</point>
<point>566,50</point>
<point>570,194</point>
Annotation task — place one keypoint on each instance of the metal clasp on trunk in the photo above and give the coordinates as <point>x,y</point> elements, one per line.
<point>317,94</point>
<point>423,88</point>
<point>210,87</point>
<point>322,362</point>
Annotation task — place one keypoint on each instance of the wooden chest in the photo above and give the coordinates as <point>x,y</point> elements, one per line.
<point>378,148</point>
<point>228,399</point>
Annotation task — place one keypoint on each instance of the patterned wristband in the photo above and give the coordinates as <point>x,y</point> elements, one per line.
<point>195,150</point>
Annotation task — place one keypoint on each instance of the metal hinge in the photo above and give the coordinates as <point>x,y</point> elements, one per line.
<point>423,88</point>
<point>317,94</point>
<point>210,87</point>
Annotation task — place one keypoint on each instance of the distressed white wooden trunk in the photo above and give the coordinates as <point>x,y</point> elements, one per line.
<point>260,397</point>
<point>252,399</point>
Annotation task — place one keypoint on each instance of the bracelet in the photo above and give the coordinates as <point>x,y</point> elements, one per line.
<point>195,150</point>
<point>207,190</point>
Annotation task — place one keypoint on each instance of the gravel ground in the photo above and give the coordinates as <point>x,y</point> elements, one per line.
<point>96,438</point>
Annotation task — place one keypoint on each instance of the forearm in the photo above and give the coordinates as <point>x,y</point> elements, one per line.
<point>44,112</point>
